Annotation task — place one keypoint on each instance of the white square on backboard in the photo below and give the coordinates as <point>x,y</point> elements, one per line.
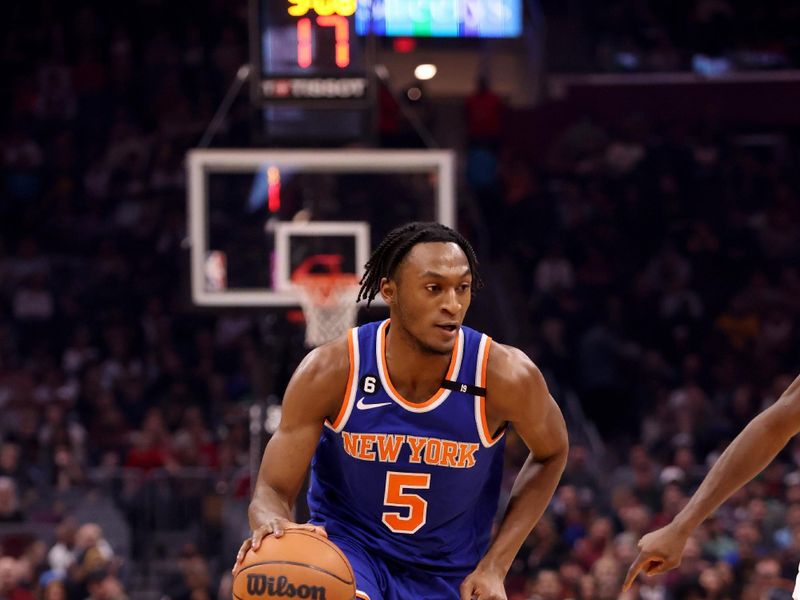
<point>284,230</point>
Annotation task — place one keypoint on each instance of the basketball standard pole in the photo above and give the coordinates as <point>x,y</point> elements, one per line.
<point>382,73</point>
<point>242,75</point>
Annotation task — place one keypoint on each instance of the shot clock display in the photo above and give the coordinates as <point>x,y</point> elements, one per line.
<point>308,51</point>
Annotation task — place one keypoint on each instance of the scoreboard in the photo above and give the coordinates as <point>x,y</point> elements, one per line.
<point>307,52</point>
<point>440,18</point>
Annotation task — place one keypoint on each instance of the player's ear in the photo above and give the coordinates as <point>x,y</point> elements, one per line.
<point>388,290</point>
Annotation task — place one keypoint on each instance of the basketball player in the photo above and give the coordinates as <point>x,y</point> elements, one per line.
<point>748,454</point>
<point>403,424</point>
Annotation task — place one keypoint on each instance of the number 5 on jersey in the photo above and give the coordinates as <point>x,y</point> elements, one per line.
<point>415,505</point>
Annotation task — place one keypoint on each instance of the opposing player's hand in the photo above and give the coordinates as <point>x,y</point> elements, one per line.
<point>277,527</point>
<point>659,551</point>
<point>484,584</point>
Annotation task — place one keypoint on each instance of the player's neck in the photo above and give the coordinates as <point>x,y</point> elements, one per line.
<point>417,374</point>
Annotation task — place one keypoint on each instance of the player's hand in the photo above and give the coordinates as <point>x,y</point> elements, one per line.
<point>484,584</point>
<point>659,551</point>
<point>276,526</point>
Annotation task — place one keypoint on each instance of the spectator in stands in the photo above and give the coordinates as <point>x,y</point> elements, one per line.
<point>62,553</point>
<point>11,586</point>
<point>10,510</point>
<point>101,585</point>
<point>192,582</point>
<point>548,586</point>
<point>92,564</point>
<point>22,473</point>
<point>51,586</point>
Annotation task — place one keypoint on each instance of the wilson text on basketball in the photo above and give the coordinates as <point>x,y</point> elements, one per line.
<point>280,587</point>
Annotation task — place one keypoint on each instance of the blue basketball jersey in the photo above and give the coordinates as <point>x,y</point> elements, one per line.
<point>416,483</point>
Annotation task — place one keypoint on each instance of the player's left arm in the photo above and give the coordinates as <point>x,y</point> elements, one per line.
<point>518,395</point>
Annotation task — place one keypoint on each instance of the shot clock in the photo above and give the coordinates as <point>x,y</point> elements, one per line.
<point>307,52</point>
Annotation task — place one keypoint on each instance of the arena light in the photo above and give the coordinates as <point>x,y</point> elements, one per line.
<point>414,94</point>
<point>425,71</point>
<point>404,45</point>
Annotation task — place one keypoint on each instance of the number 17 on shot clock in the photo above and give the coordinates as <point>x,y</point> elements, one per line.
<point>307,51</point>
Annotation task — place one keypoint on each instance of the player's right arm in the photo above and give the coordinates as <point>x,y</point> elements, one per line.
<point>748,454</point>
<point>314,393</point>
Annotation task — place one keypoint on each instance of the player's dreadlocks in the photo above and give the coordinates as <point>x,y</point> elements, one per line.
<point>395,246</point>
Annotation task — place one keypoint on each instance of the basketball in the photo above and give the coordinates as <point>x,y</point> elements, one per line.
<point>300,564</point>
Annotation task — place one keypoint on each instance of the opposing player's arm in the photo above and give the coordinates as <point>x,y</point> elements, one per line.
<point>315,393</point>
<point>518,395</point>
<point>746,456</point>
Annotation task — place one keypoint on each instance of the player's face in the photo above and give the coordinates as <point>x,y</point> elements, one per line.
<point>429,295</point>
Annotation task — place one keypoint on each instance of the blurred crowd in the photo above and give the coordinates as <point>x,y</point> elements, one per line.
<point>708,36</point>
<point>109,385</point>
<point>657,269</point>
<point>80,564</point>
<point>658,281</point>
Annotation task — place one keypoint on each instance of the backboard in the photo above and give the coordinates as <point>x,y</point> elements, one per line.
<point>255,216</point>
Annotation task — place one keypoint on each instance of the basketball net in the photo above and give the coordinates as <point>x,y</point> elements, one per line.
<point>329,304</point>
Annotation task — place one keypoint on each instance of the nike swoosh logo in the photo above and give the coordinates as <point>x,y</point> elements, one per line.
<point>361,405</point>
